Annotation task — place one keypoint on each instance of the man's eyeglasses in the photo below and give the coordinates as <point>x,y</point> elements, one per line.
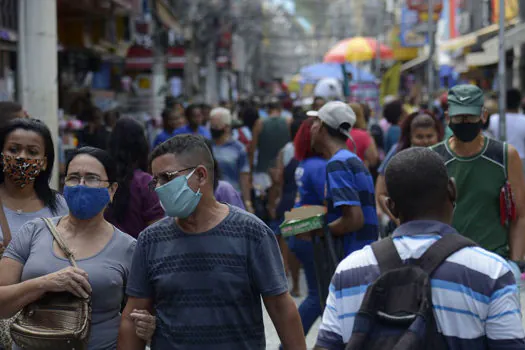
<point>164,178</point>
<point>89,180</point>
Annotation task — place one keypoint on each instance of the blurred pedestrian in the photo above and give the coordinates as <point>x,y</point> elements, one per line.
<point>95,133</point>
<point>270,135</point>
<point>231,155</point>
<point>419,129</point>
<point>361,143</point>
<point>11,110</point>
<point>310,177</point>
<point>195,119</point>
<point>172,120</point>
<point>134,205</point>
<point>393,113</point>
<point>515,121</point>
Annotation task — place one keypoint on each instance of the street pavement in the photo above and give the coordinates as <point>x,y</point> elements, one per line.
<point>272,339</point>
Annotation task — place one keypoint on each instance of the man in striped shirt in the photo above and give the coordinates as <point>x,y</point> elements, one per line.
<point>473,291</point>
<point>350,197</point>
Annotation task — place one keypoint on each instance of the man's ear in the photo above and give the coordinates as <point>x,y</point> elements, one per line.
<point>484,115</point>
<point>452,191</point>
<point>391,206</point>
<point>447,118</point>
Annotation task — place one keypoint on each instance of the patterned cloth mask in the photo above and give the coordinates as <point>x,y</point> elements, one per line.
<point>21,171</point>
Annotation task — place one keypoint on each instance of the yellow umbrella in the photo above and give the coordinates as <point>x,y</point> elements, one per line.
<point>357,49</point>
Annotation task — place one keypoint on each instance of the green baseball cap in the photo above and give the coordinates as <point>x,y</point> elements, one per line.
<point>465,100</point>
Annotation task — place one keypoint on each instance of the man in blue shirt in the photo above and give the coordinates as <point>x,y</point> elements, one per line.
<point>172,119</point>
<point>349,186</point>
<point>195,119</point>
<point>230,154</point>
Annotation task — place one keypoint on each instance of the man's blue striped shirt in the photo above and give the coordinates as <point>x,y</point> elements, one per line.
<point>350,183</point>
<point>475,297</point>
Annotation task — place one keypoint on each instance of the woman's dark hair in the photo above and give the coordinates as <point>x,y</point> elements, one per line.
<point>129,149</point>
<point>216,169</point>
<point>102,156</point>
<point>42,189</point>
<point>408,125</point>
<point>249,116</point>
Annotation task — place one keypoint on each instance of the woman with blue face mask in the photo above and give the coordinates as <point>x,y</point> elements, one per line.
<point>33,264</point>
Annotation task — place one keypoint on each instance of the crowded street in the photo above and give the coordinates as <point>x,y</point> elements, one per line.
<point>262,174</point>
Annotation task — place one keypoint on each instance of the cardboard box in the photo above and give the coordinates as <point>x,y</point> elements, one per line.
<point>303,219</point>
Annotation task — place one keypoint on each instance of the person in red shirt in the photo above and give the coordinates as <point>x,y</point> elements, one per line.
<point>361,143</point>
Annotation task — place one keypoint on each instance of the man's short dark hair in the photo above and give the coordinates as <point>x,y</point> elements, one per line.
<point>513,99</point>
<point>393,111</point>
<point>191,150</point>
<point>190,110</point>
<point>417,182</point>
<point>8,111</point>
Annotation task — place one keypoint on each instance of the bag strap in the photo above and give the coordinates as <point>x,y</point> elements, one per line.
<point>58,238</point>
<point>442,249</point>
<point>386,254</point>
<point>4,225</point>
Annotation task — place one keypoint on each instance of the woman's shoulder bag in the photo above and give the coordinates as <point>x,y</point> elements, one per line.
<point>57,321</point>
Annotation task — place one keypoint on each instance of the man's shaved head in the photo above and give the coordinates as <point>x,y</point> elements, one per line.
<point>190,150</point>
<point>418,184</point>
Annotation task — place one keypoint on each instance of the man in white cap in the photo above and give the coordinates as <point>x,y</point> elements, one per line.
<point>349,190</point>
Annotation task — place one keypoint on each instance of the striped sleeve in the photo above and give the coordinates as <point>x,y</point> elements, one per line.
<point>342,184</point>
<point>331,333</point>
<point>503,325</point>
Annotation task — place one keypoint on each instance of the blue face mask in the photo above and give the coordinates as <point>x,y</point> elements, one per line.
<point>86,202</point>
<point>177,198</point>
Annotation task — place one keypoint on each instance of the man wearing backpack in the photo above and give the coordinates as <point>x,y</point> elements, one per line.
<point>426,287</point>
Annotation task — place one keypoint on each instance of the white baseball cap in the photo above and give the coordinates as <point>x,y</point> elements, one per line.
<point>337,115</point>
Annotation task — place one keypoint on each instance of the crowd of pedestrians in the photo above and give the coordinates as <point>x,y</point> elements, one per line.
<point>177,237</point>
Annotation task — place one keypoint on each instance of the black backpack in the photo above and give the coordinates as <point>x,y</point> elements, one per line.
<point>396,313</point>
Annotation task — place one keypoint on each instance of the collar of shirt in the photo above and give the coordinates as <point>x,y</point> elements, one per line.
<point>422,227</point>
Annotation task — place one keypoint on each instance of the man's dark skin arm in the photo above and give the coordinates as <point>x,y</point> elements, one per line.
<point>127,335</point>
<point>517,227</point>
<point>352,220</point>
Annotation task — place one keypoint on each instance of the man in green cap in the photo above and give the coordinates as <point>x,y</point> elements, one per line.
<point>488,173</point>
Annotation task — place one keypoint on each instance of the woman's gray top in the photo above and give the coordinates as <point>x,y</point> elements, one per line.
<point>16,219</point>
<point>108,273</point>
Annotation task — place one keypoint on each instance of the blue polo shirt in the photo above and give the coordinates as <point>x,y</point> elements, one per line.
<point>187,130</point>
<point>348,182</point>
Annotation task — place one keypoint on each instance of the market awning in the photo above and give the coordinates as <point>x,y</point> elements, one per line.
<point>471,38</point>
<point>514,36</point>
<point>415,62</point>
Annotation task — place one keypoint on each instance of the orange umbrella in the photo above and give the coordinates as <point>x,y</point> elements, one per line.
<point>356,50</point>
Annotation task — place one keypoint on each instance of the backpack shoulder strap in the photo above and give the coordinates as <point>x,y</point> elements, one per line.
<point>442,150</point>
<point>386,254</point>
<point>442,249</point>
